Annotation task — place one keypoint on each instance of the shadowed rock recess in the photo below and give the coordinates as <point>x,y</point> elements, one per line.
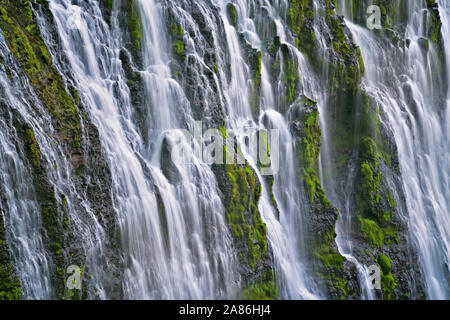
<point>95,96</point>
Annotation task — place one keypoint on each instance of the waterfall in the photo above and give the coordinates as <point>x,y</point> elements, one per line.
<point>285,232</point>
<point>19,207</point>
<point>406,85</point>
<point>181,264</point>
<point>188,67</point>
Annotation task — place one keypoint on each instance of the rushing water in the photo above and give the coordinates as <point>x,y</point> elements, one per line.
<point>285,233</point>
<point>407,85</point>
<point>19,206</point>
<point>183,265</point>
<point>175,240</point>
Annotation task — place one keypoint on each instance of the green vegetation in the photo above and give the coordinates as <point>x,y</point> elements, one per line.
<point>372,232</point>
<point>178,43</point>
<point>299,17</point>
<point>388,281</point>
<point>242,211</point>
<point>134,23</point>
<point>290,78</point>
<point>435,26</point>
<point>232,14</point>
<point>309,150</point>
<point>255,62</point>
<point>242,191</point>
<point>32,148</point>
<point>24,40</point>
<point>329,257</point>
<point>327,260</point>
<point>261,291</point>
<point>375,221</point>
<point>9,285</point>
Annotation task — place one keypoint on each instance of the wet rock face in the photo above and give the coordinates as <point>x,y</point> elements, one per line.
<point>363,152</point>
<point>76,137</point>
<point>9,283</point>
<point>241,191</point>
<point>198,28</point>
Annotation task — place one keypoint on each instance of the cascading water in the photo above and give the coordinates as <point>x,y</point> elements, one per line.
<point>19,207</point>
<point>419,118</point>
<point>285,233</point>
<point>182,265</point>
<point>32,260</point>
<point>175,241</point>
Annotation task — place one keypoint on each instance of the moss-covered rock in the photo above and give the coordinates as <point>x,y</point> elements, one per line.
<point>10,288</point>
<point>242,191</point>
<point>177,33</point>
<point>265,290</point>
<point>388,281</point>
<point>107,8</point>
<point>255,63</point>
<point>23,37</point>
<point>300,18</point>
<point>353,129</point>
<point>232,14</point>
<point>134,23</point>
<point>327,263</point>
<point>92,177</point>
<point>308,147</point>
<point>54,215</point>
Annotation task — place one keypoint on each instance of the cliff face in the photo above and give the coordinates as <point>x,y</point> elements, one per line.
<point>347,176</point>
<point>76,139</point>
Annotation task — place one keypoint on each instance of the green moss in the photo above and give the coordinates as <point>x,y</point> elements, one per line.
<point>19,43</point>
<point>368,198</point>
<point>176,29</point>
<point>10,288</point>
<point>32,149</point>
<point>374,208</point>
<point>25,42</point>
<point>329,257</point>
<point>309,149</point>
<point>109,4</point>
<point>56,224</point>
<point>55,232</point>
<point>178,42</point>
<point>341,285</point>
<point>216,67</point>
<point>241,210</point>
<point>390,199</point>
<point>372,232</point>
<point>290,77</point>
<point>343,68</point>
<point>388,281</point>
<point>273,49</point>
<point>232,14</point>
<point>223,131</point>
<point>300,14</point>
<point>255,63</point>
<point>390,235</point>
<point>434,27</point>
<point>179,47</point>
<point>107,7</point>
<point>134,23</point>
<point>327,261</point>
<point>362,67</point>
<point>261,291</point>
<point>385,263</point>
